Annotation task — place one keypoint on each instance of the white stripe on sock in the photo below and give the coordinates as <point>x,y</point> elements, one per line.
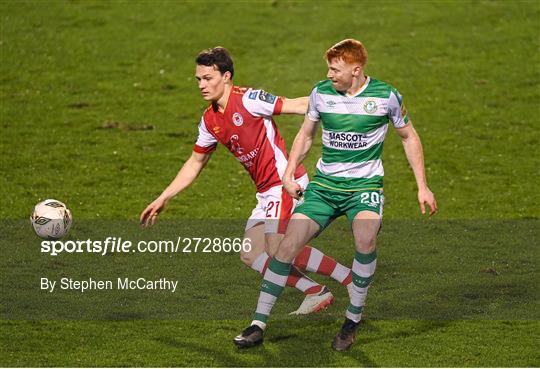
<point>314,261</point>
<point>303,284</point>
<point>364,270</point>
<point>260,324</point>
<point>266,302</point>
<point>258,264</point>
<point>340,273</point>
<point>280,280</point>
<point>358,295</point>
<point>354,317</point>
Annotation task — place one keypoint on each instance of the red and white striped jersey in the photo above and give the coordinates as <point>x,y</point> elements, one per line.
<point>247,129</point>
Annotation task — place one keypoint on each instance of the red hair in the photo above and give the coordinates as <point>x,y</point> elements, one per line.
<point>350,50</point>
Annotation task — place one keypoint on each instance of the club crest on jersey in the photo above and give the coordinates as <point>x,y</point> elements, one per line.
<point>237,119</point>
<point>370,106</point>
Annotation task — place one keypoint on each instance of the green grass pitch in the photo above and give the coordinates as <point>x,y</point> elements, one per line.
<point>99,109</point>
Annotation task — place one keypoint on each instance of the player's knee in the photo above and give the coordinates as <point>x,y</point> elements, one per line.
<point>247,258</point>
<point>366,245</point>
<point>286,251</point>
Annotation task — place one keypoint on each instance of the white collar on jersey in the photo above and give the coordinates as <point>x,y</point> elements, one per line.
<point>364,86</point>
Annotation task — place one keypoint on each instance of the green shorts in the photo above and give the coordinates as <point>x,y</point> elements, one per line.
<point>323,205</point>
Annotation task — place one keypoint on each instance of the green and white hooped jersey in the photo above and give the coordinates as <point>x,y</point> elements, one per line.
<point>354,128</point>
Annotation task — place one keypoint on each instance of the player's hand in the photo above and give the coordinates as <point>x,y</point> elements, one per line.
<point>149,215</point>
<point>293,189</point>
<point>425,196</point>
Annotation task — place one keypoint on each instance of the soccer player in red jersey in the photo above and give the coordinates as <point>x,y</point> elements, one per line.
<point>241,119</point>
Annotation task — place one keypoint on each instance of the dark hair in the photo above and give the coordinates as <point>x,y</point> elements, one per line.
<point>218,56</point>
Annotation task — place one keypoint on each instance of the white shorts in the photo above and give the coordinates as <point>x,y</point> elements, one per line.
<point>274,208</point>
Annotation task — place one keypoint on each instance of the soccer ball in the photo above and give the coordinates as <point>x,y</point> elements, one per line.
<point>51,219</point>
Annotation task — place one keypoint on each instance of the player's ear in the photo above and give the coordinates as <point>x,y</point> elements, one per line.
<point>227,76</point>
<point>357,71</point>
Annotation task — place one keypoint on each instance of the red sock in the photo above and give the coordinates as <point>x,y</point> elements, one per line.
<point>313,260</point>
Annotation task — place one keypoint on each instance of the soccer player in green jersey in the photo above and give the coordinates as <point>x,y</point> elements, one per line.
<point>354,111</point>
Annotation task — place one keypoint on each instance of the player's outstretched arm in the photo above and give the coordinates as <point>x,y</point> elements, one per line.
<point>299,150</point>
<point>415,156</point>
<point>295,106</point>
<point>185,177</point>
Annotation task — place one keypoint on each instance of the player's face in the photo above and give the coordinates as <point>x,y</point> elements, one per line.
<point>341,74</point>
<point>211,82</point>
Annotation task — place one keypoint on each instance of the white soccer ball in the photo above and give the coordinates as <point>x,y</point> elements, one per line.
<point>51,219</point>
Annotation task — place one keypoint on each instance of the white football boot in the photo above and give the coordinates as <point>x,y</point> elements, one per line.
<point>315,302</point>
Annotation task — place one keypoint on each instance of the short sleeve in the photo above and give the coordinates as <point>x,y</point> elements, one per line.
<point>397,112</point>
<point>205,141</point>
<point>312,112</point>
<point>261,103</point>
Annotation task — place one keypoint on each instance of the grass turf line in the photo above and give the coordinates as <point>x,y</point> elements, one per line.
<point>209,343</point>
